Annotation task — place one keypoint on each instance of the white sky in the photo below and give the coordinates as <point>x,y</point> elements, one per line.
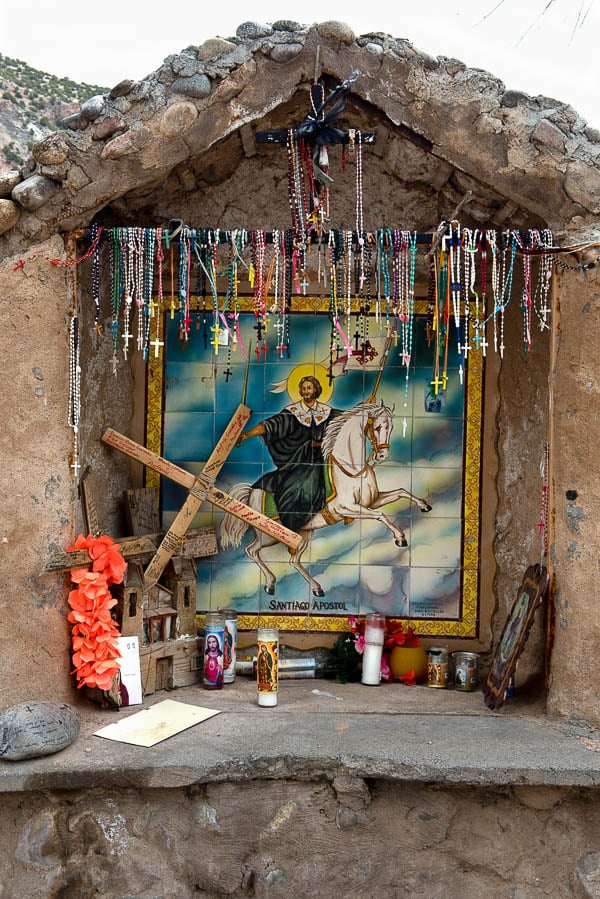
<point>104,42</point>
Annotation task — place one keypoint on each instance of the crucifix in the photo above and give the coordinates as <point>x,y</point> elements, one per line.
<point>216,329</point>
<point>259,327</point>
<point>436,384</point>
<point>126,338</point>
<point>200,488</point>
<point>156,343</point>
<point>479,339</point>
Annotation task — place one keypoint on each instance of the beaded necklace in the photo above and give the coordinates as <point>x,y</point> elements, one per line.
<point>544,503</point>
<point>74,409</point>
<point>95,278</point>
<point>546,263</point>
<point>470,248</point>
<point>454,241</point>
<point>127,248</point>
<point>157,343</point>
<point>148,282</point>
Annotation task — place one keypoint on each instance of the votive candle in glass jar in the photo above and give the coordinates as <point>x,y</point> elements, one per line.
<point>371,661</point>
<point>214,629</point>
<point>229,645</point>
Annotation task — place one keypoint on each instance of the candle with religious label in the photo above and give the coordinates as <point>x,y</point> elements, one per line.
<point>229,646</point>
<point>266,665</point>
<point>371,662</point>
<point>214,629</point>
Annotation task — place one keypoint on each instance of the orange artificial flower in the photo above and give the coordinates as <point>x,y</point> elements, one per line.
<point>94,632</point>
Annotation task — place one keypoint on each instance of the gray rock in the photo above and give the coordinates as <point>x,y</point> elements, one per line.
<point>37,728</point>
<point>221,67</point>
<point>9,180</point>
<point>39,842</point>
<point>107,127</point>
<point>140,91</point>
<point>55,172</point>
<point>76,122</point>
<point>93,107</point>
<point>9,215</point>
<point>592,134</point>
<point>375,49</point>
<point>52,150</point>
<point>34,192</point>
<point>285,52</point>
<point>286,25</point>
<point>197,86</point>
<point>587,873</point>
<point>336,31</point>
<point>251,31</point>
<point>121,89</point>
<point>549,135</point>
<point>186,65</point>
<point>214,46</point>
<point>452,66</point>
<point>513,98</point>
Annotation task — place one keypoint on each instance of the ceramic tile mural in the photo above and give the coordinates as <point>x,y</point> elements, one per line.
<point>355,567</point>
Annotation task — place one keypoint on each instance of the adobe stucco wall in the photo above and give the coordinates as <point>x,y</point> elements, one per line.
<point>36,487</point>
<point>574,687</point>
<point>326,839</point>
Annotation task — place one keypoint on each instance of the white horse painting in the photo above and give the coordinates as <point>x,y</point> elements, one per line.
<point>355,493</point>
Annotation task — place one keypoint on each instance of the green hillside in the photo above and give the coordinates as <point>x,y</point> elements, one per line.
<point>33,103</point>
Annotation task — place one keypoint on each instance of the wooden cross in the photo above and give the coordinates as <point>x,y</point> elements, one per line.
<point>200,488</point>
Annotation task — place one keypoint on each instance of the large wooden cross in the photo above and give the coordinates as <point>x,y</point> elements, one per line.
<point>200,487</point>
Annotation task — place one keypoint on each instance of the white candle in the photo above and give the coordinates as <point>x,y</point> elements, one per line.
<point>266,666</point>
<point>371,665</point>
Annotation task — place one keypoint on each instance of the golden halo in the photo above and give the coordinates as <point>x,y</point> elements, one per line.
<point>301,371</point>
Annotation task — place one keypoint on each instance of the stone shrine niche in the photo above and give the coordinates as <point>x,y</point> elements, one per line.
<point>441,581</point>
<point>154,152</point>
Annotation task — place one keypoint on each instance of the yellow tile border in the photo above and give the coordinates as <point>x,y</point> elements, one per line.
<point>467,625</point>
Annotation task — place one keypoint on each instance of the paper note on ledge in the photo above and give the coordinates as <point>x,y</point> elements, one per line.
<point>160,721</point>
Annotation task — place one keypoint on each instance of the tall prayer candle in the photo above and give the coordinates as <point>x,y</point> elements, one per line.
<point>214,628</point>
<point>229,646</point>
<point>371,663</point>
<point>266,665</point>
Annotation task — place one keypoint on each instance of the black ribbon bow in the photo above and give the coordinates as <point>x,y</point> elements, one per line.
<point>317,129</point>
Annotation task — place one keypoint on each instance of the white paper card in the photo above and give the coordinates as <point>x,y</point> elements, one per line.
<point>129,664</point>
<point>160,721</point>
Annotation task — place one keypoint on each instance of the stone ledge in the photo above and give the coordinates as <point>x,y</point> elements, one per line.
<point>390,732</point>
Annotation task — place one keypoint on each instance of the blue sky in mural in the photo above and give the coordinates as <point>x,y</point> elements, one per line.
<point>358,566</point>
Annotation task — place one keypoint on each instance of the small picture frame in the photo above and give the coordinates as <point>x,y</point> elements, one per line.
<point>514,636</point>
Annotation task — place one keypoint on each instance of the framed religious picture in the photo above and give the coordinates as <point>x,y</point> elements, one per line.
<point>514,636</point>
<point>407,546</point>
